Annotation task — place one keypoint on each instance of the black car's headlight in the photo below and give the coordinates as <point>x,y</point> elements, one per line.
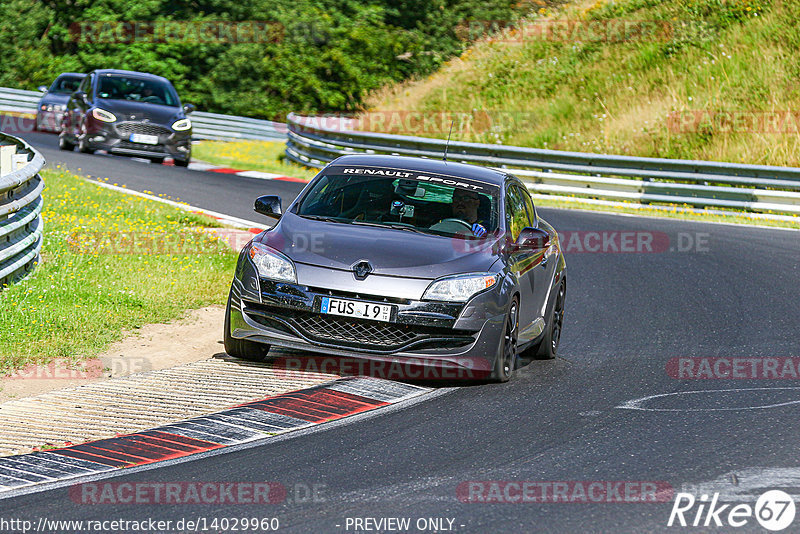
<point>459,288</point>
<point>181,125</point>
<point>103,115</point>
<point>272,264</point>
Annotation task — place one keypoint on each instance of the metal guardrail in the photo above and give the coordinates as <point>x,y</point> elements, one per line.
<point>204,125</point>
<point>313,142</point>
<point>20,208</point>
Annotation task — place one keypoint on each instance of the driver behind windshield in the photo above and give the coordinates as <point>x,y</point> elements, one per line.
<point>465,207</point>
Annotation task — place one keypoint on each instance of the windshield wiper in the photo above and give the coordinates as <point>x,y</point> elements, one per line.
<point>326,218</point>
<point>395,226</point>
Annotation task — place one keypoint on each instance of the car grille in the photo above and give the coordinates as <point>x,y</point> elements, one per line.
<point>350,331</point>
<point>127,128</point>
<point>157,149</point>
<point>358,333</point>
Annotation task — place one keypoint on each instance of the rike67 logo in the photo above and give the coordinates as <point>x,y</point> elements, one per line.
<point>774,510</point>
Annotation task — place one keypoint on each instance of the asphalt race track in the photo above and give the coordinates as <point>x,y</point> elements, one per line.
<point>705,290</point>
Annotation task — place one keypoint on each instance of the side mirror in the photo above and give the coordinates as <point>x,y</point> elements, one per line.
<point>80,96</point>
<point>42,88</point>
<point>533,238</point>
<point>188,108</point>
<point>269,205</point>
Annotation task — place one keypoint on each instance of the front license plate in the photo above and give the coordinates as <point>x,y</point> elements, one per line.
<point>145,139</point>
<point>355,308</point>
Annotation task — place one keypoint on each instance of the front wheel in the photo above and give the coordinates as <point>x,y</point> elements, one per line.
<point>63,144</point>
<point>242,348</point>
<point>506,361</point>
<point>83,142</point>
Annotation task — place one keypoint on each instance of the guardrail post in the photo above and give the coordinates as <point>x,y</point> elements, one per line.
<point>6,160</point>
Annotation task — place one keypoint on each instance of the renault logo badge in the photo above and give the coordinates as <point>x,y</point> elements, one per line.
<point>362,269</point>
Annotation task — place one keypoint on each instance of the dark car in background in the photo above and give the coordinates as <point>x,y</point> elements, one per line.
<point>403,260</point>
<point>128,113</point>
<point>50,109</point>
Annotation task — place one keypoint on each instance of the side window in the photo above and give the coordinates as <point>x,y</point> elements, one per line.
<point>516,214</point>
<point>84,86</point>
<point>529,205</point>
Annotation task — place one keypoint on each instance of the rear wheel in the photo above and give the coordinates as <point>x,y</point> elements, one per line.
<point>242,348</point>
<point>506,360</point>
<point>548,347</point>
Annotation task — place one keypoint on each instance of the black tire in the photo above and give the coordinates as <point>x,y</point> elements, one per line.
<point>506,361</point>
<point>242,348</point>
<point>181,162</point>
<point>548,346</point>
<point>83,144</point>
<point>63,144</point>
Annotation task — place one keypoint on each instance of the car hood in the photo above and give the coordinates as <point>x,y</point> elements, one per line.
<point>55,98</point>
<point>390,252</point>
<point>128,110</point>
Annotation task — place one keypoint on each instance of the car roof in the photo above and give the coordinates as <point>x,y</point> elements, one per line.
<point>436,166</point>
<point>101,72</point>
<point>76,74</point>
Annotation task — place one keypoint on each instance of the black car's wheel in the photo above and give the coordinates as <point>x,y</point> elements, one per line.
<point>83,142</point>
<point>182,162</point>
<point>548,346</point>
<point>242,348</point>
<point>506,360</point>
<point>63,144</point>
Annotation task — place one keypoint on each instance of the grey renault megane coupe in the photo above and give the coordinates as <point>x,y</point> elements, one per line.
<point>403,260</point>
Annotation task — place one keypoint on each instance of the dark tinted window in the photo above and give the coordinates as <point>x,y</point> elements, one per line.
<point>447,206</point>
<point>65,84</point>
<point>526,196</point>
<point>516,212</point>
<point>146,90</point>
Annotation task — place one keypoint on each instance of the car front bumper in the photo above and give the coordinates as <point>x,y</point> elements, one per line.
<point>454,336</point>
<point>116,139</point>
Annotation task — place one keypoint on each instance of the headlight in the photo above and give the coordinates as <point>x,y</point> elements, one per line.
<point>272,264</point>
<point>103,115</point>
<point>181,125</point>
<point>459,288</point>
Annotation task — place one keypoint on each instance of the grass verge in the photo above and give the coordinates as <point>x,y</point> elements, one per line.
<point>111,262</point>
<point>267,156</point>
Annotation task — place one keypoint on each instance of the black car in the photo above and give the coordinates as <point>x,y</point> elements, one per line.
<point>128,113</point>
<point>50,109</point>
<point>403,259</point>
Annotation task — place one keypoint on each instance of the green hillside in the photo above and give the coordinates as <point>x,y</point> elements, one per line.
<point>705,79</point>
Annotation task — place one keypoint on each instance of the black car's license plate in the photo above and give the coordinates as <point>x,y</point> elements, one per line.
<point>356,308</point>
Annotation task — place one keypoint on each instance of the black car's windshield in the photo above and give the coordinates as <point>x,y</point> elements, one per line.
<point>441,205</point>
<point>150,91</point>
<point>65,85</point>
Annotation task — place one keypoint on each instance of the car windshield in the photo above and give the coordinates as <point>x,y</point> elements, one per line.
<point>145,90</point>
<point>65,85</point>
<point>405,200</point>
